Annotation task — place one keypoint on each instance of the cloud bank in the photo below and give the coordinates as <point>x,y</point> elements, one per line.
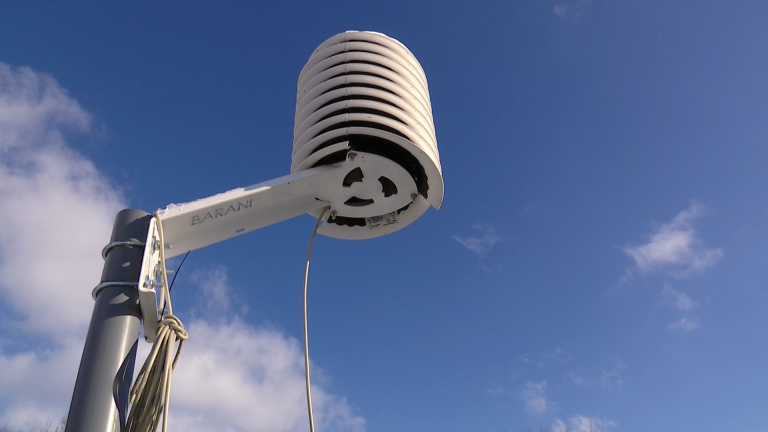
<point>246,377</point>
<point>57,211</point>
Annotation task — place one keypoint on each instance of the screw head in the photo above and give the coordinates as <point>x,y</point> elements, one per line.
<point>333,214</point>
<point>351,156</point>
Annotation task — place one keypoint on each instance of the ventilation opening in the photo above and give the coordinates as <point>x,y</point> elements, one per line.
<point>348,85</point>
<point>347,221</point>
<point>372,125</point>
<point>388,187</point>
<point>357,97</point>
<point>370,74</point>
<point>380,147</point>
<point>330,142</point>
<point>393,152</point>
<point>358,110</point>
<point>361,62</point>
<point>332,158</point>
<point>354,176</point>
<point>358,202</point>
<point>367,42</point>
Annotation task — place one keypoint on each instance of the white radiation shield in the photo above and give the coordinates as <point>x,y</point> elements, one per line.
<point>363,96</point>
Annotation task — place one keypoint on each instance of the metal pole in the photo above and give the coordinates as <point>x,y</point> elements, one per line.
<point>100,399</point>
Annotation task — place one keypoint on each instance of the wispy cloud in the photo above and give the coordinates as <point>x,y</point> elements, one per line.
<point>214,292</point>
<point>482,241</point>
<point>674,245</point>
<point>541,360</point>
<point>579,380</point>
<point>679,300</point>
<point>535,400</point>
<point>228,366</point>
<point>608,379</point>
<point>582,423</point>
<point>496,391</point>
<point>683,303</point>
<point>685,325</point>
<point>561,11</point>
<point>674,250</point>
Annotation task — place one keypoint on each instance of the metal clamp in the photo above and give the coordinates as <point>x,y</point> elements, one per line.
<point>124,243</point>
<point>103,285</point>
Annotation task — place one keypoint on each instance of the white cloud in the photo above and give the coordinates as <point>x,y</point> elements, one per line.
<point>674,245</point>
<point>581,423</point>
<point>480,243</point>
<point>679,300</point>
<point>237,377</point>
<point>233,376</point>
<point>535,398</point>
<point>57,212</point>
<point>685,325</point>
<point>34,108</point>
<point>33,385</point>
<point>215,292</point>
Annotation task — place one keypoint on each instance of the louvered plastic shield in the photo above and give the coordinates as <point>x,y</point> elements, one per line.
<point>363,99</point>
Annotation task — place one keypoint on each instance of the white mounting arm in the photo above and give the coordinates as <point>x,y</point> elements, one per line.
<point>201,223</point>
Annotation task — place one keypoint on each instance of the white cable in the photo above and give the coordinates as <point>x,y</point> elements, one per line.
<point>306,339</point>
<point>151,393</point>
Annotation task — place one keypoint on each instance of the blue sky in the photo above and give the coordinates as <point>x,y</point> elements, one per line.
<point>600,254</point>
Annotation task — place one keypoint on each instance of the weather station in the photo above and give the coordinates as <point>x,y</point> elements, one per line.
<point>365,164</point>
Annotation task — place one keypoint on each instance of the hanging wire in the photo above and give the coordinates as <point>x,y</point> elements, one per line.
<point>178,269</point>
<point>306,338</point>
